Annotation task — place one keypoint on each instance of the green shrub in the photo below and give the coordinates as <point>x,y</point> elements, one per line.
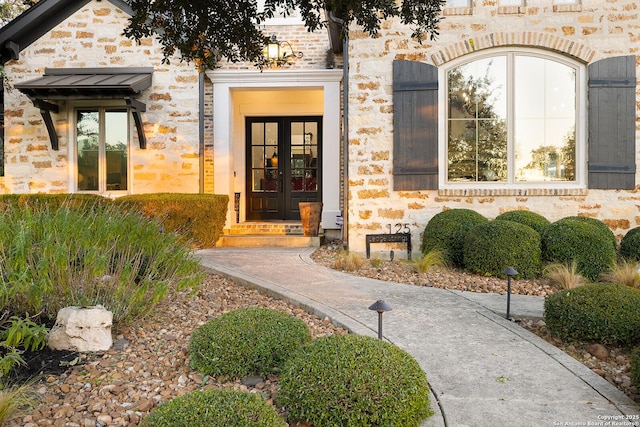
<point>53,258</point>
<point>606,313</point>
<point>635,367</point>
<point>591,246</point>
<point>215,408</point>
<point>350,380</point>
<point>446,231</point>
<point>18,334</point>
<point>596,223</point>
<point>491,247</point>
<point>52,201</point>
<point>532,219</point>
<point>630,245</point>
<point>246,341</point>
<point>200,218</point>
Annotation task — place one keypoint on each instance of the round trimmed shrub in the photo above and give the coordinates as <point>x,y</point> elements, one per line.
<point>247,341</point>
<point>446,231</point>
<point>349,380</point>
<point>630,245</point>
<point>606,313</point>
<point>491,247</point>
<point>596,223</point>
<point>590,245</point>
<point>215,408</point>
<point>532,219</point>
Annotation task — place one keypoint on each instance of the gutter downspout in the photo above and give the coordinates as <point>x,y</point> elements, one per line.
<point>201,131</point>
<point>345,128</point>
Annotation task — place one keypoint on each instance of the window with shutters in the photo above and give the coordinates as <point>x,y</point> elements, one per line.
<point>513,118</point>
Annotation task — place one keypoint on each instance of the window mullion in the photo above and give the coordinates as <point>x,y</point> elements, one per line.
<point>102,158</point>
<point>511,120</point>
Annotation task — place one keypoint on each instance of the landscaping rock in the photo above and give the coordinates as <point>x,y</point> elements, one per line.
<point>598,350</point>
<point>82,329</point>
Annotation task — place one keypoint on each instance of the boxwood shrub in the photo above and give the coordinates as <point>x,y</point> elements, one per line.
<point>199,218</point>
<point>350,380</point>
<point>447,230</point>
<point>491,247</point>
<point>532,219</point>
<point>215,408</point>
<point>602,312</point>
<point>573,238</point>
<point>630,245</point>
<point>247,341</point>
<point>596,223</point>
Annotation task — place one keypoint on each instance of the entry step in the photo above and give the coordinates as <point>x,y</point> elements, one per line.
<point>273,241</point>
<point>280,228</point>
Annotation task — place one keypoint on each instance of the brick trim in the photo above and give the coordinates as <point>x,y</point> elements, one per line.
<point>525,38</point>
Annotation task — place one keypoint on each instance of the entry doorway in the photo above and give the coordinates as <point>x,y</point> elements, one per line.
<point>283,165</point>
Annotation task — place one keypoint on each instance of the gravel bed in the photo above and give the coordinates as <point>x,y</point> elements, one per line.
<point>148,363</point>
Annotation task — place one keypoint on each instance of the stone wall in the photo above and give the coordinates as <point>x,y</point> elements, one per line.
<point>595,30</point>
<point>92,37</point>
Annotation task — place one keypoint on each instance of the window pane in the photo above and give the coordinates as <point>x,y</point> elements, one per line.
<point>544,120</point>
<point>116,147</point>
<point>477,132</point>
<point>87,134</point>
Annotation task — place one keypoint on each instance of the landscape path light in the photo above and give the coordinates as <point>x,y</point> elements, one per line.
<point>380,306</point>
<point>509,271</point>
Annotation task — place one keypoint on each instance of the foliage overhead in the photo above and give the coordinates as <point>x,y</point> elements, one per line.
<point>9,9</point>
<point>205,31</point>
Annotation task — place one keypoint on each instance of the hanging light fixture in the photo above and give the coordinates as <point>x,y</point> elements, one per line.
<point>277,54</point>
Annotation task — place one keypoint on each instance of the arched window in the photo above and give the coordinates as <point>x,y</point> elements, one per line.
<point>516,118</point>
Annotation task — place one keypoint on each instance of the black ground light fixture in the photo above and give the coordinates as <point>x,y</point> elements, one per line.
<point>380,306</point>
<point>509,271</point>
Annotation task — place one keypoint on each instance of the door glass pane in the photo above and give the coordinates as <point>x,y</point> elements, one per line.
<point>544,120</point>
<point>87,135</point>
<point>272,182</point>
<point>304,152</point>
<point>311,156</point>
<point>116,145</point>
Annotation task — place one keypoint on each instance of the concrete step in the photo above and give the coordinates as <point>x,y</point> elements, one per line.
<point>255,240</point>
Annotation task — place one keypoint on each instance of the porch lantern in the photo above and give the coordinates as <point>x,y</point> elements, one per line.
<point>277,54</point>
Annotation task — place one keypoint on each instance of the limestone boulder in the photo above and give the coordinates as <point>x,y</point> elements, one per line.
<point>82,329</point>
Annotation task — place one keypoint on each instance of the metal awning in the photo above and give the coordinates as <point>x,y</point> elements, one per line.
<point>88,83</point>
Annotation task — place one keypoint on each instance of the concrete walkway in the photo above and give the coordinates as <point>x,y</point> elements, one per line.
<point>483,369</point>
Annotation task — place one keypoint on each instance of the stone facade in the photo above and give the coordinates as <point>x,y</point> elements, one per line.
<point>594,30</point>
<point>92,37</point>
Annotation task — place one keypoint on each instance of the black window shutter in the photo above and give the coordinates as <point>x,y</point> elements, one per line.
<point>415,126</point>
<point>612,128</point>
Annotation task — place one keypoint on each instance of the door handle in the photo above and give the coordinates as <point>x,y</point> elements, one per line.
<point>281,181</point>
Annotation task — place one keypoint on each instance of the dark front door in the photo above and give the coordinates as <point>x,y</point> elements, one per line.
<point>283,165</point>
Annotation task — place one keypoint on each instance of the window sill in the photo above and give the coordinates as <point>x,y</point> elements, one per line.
<point>452,11</point>
<point>567,7</point>
<point>512,10</point>
<point>495,192</point>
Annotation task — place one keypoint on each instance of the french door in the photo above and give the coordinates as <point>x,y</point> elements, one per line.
<point>283,165</point>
